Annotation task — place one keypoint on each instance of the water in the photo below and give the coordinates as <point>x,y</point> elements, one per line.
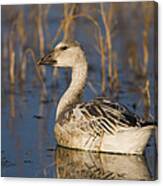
<point>29,147</point>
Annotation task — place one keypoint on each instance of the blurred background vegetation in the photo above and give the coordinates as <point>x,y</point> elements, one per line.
<point>120,34</point>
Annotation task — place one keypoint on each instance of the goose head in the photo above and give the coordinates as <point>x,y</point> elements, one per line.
<point>65,54</point>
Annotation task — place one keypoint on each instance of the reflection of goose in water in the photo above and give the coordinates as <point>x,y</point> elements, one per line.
<point>98,125</point>
<point>90,165</point>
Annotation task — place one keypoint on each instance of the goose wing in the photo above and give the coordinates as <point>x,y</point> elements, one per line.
<point>119,113</point>
<point>101,115</point>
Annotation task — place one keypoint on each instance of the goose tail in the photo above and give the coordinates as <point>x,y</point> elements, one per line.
<point>150,124</point>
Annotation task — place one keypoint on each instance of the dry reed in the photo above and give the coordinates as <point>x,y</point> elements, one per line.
<point>41,37</point>
<point>108,39</point>
<point>12,102</point>
<point>11,58</point>
<point>147,99</point>
<point>112,68</point>
<point>69,10</point>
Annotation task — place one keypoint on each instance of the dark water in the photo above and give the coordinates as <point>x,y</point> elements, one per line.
<point>29,147</point>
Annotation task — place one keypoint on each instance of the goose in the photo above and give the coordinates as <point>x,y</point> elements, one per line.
<point>98,125</point>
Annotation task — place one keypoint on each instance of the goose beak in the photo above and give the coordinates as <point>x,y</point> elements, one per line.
<point>46,60</point>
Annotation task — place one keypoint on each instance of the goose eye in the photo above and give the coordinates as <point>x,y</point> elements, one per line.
<point>64,48</point>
